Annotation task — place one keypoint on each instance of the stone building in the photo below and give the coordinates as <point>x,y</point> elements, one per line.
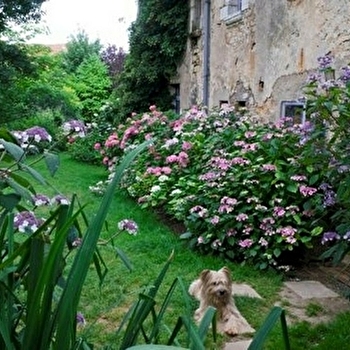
<point>258,53</point>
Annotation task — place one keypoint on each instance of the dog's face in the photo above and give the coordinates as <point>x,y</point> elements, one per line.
<point>217,284</point>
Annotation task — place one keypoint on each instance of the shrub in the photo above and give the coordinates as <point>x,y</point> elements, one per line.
<point>230,180</point>
<point>329,109</point>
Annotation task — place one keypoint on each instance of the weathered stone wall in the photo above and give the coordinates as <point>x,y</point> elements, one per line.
<point>265,56</point>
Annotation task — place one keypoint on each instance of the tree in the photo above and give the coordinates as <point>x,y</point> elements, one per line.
<point>15,65</point>
<point>157,42</point>
<point>19,11</point>
<point>92,85</point>
<point>79,48</point>
<point>114,59</point>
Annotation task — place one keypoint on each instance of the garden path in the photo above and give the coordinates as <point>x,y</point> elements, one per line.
<point>303,300</point>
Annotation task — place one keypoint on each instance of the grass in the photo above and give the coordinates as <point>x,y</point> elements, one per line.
<point>105,305</point>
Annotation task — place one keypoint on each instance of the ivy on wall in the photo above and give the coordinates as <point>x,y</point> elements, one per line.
<point>157,43</point>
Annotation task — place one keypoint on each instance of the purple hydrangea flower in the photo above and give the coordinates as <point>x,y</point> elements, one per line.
<point>75,126</point>
<point>199,210</point>
<point>40,200</point>
<point>329,236</point>
<point>325,62</point>
<point>26,222</point>
<point>346,237</point>
<point>345,76</point>
<point>269,167</point>
<point>298,178</point>
<point>80,319</point>
<point>60,200</point>
<point>241,217</point>
<point>215,220</point>
<point>129,226</point>
<point>37,133</point>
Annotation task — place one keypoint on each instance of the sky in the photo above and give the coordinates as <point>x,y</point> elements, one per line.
<point>107,20</point>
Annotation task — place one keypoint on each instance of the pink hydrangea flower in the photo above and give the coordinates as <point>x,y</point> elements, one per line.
<point>242,217</point>
<point>307,191</point>
<point>246,243</point>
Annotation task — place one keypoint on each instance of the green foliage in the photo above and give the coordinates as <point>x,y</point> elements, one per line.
<point>275,315</point>
<point>92,86</point>
<point>145,308</point>
<point>19,11</point>
<point>329,110</point>
<point>34,84</point>
<point>157,42</point>
<point>81,148</point>
<point>48,119</point>
<point>15,69</point>
<point>229,180</point>
<point>38,290</point>
<point>78,49</point>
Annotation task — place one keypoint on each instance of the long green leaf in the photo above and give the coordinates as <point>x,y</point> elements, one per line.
<point>16,152</point>
<point>143,308</point>
<point>123,257</point>
<point>159,318</point>
<point>39,312</point>
<point>196,341</point>
<point>24,192</point>
<point>9,201</point>
<point>52,162</point>
<point>66,311</point>
<point>208,319</point>
<point>275,314</point>
<point>35,174</point>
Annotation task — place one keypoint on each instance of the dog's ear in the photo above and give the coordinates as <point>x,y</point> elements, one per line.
<point>204,275</point>
<point>227,273</point>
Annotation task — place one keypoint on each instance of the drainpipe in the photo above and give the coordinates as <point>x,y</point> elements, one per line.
<point>206,52</point>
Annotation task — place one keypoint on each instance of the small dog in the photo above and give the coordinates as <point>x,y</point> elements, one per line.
<point>214,288</point>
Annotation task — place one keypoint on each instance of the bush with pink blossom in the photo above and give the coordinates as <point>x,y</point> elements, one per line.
<point>246,190</point>
<point>240,187</point>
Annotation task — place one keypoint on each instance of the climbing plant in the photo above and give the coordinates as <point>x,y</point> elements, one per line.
<point>157,43</point>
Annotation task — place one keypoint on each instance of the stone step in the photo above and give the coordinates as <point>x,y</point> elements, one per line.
<point>304,291</point>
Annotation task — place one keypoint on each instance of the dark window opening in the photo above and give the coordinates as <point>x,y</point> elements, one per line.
<point>176,97</point>
<point>294,110</point>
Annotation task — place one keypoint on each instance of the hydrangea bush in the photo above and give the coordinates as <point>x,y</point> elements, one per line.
<point>328,96</point>
<point>240,187</point>
<point>247,190</point>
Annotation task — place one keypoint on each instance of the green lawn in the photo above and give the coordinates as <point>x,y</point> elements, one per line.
<point>104,305</point>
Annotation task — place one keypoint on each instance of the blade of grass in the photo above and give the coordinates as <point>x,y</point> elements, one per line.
<point>275,314</point>
<point>159,317</point>
<point>208,319</point>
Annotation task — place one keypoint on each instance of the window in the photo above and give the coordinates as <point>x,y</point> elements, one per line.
<point>232,10</point>
<point>195,16</point>
<point>175,91</point>
<point>295,110</point>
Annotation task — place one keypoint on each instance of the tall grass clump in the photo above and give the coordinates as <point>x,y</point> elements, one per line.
<point>39,291</point>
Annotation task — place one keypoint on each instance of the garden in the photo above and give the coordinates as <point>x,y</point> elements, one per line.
<point>87,259</point>
<point>90,194</point>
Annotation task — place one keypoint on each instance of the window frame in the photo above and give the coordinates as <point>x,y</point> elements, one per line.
<point>236,6</point>
<point>294,103</point>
